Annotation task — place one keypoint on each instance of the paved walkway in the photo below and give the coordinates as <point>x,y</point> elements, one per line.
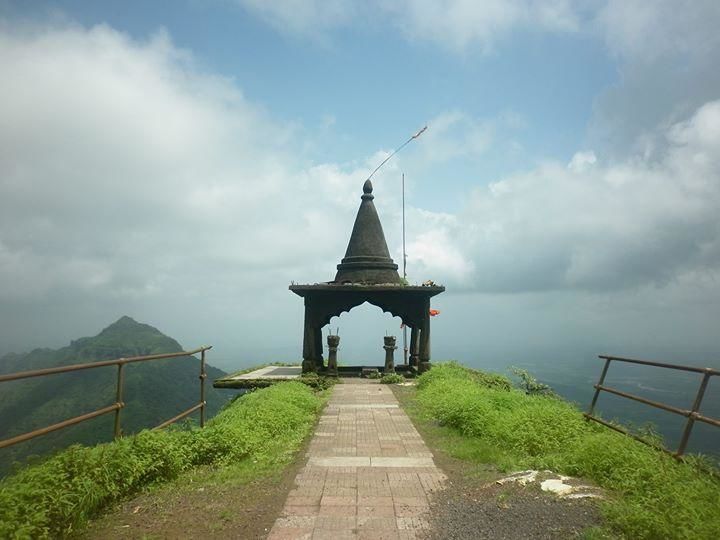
<point>368,475</point>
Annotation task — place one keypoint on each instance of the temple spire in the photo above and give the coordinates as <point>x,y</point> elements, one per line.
<point>367,259</point>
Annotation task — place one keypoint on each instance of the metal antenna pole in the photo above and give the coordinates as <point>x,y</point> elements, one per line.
<point>405,346</point>
<point>403,228</point>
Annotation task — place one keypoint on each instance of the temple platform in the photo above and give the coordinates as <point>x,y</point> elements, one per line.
<point>269,375</point>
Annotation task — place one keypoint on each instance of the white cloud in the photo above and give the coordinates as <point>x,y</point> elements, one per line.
<point>644,31</point>
<point>595,226</point>
<point>131,172</point>
<point>432,251</point>
<point>459,24</point>
<point>667,53</point>
<point>634,30</point>
<point>130,178</point>
<point>582,160</point>
<point>308,18</point>
<point>455,134</point>
<point>133,182</point>
<point>453,24</point>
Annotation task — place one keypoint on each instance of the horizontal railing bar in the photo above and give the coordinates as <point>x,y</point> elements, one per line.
<point>661,364</point>
<point>692,415</point>
<point>180,416</point>
<point>90,365</point>
<point>712,421</point>
<point>626,432</point>
<point>668,408</point>
<point>60,425</point>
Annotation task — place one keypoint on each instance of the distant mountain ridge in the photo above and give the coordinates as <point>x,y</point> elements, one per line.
<point>153,391</point>
<point>125,336</point>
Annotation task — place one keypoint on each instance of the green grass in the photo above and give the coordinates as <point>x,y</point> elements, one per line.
<point>652,495</point>
<point>53,498</point>
<point>392,378</point>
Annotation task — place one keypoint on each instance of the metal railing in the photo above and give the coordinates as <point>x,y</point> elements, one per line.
<point>119,404</point>
<point>693,415</point>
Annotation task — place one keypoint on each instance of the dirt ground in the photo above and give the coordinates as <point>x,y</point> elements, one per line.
<point>469,510</point>
<point>474,506</point>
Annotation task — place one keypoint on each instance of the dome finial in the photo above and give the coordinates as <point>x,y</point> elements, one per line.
<point>367,187</point>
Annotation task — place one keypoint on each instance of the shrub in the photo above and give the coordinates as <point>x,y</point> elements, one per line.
<point>530,384</point>
<point>455,371</point>
<point>392,378</point>
<point>657,497</point>
<point>318,382</point>
<point>55,497</point>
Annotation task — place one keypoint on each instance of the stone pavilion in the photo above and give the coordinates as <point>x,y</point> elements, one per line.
<point>367,273</point>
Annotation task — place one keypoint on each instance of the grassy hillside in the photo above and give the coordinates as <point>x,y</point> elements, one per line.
<point>154,391</point>
<point>651,494</point>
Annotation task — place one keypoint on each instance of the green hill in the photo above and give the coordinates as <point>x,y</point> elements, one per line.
<point>153,391</point>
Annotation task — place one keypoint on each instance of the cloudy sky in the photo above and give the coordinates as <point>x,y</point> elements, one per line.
<point>183,162</point>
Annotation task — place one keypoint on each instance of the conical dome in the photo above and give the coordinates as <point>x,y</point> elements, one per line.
<point>367,259</point>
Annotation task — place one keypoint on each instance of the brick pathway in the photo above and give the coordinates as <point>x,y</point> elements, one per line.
<point>368,475</point>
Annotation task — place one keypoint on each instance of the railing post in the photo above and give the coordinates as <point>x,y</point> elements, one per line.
<point>693,413</point>
<point>203,376</point>
<point>118,399</point>
<point>597,386</point>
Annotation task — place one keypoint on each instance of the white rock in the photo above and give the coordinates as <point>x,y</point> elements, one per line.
<point>522,478</point>
<point>556,486</point>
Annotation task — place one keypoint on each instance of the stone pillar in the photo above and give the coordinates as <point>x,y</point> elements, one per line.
<point>333,342</point>
<point>406,349</point>
<point>424,364</point>
<point>414,353</point>
<point>389,353</point>
<point>318,359</point>
<point>308,363</point>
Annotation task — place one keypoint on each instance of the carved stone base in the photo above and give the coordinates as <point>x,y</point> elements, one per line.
<point>389,354</point>
<point>333,342</point>
<point>424,366</point>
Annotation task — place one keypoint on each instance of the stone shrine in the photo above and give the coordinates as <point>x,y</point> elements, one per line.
<point>367,273</point>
